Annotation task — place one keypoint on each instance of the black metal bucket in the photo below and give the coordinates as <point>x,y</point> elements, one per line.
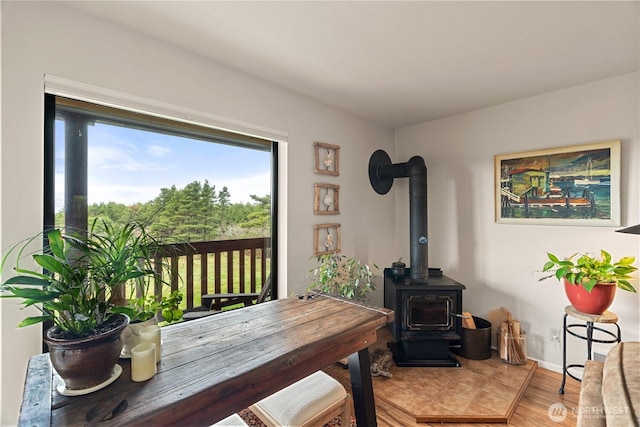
<point>475,344</point>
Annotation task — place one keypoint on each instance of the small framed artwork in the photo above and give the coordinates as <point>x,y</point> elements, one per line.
<point>575,185</point>
<point>326,238</point>
<point>327,199</point>
<point>327,158</point>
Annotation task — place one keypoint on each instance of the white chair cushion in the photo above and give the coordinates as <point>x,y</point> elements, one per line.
<point>231,421</point>
<point>303,400</point>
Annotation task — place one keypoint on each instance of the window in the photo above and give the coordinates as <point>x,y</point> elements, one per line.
<point>186,183</point>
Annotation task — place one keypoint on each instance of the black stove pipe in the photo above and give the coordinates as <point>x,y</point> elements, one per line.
<point>381,175</point>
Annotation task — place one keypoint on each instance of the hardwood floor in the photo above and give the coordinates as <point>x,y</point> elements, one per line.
<point>532,410</point>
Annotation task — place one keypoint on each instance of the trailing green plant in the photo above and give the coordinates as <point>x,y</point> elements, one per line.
<point>145,308</point>
<point>170,307</point>
<point>342,276</point>
<point>587,270</point>
<point>139,309</point>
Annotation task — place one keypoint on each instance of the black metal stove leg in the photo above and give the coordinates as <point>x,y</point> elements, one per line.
<point>362,389</point>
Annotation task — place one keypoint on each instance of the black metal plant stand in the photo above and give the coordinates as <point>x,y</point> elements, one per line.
<point>588,327</point>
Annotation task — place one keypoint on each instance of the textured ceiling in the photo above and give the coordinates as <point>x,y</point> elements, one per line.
<point>399,63</point>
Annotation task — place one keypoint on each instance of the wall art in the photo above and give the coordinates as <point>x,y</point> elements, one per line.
<point>326,238</point>
<point>575,185</point>
<point>327,158</point>
<point>326,199</point>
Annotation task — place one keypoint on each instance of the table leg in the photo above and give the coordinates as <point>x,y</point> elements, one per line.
<point>362,389</point>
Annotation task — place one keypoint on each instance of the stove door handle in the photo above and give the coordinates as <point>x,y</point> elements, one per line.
<point>462,316</point>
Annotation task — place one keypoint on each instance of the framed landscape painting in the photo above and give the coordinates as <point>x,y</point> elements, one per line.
<point>576,185</point>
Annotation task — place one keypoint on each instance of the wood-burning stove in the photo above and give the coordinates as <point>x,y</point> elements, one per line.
<point>427,305</point>
<point>428,318</point>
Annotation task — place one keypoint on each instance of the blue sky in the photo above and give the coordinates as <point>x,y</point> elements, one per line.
<point>128,165</point>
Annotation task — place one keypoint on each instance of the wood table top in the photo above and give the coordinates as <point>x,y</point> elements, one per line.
<point>214,366</point>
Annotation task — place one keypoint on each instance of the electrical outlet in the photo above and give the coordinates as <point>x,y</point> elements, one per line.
<point>555,335</point>
<point>599,357</point>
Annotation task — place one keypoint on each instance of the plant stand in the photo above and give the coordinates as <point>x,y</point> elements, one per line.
<point>590,319</point>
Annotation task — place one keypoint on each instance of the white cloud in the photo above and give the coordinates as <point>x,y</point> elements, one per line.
<point>113,157</point>
<point>158,150</point>
<point>241,188</point>
<point>127,194</point>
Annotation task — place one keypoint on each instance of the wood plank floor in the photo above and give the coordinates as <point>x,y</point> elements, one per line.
<point>532,410</point>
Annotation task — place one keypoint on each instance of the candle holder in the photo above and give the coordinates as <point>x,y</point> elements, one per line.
<point>143,361</point>
<point>152,334</point>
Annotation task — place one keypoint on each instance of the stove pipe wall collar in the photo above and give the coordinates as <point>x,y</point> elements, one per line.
<point>381,175</point>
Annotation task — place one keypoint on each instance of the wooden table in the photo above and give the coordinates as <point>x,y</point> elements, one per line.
<point>216,366</point>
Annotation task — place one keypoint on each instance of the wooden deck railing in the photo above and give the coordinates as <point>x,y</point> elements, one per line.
<point>222,266</point>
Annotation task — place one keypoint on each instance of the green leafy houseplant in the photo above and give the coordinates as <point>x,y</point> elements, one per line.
<point>170,307</point>
<point>65,293</point>
<point>342,276</point>
<point>75,282</point>
<point>587,270</point>
<point>81,274</point>
<point>145,308</point>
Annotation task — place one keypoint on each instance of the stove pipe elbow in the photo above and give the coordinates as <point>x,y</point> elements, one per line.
<point>381,175</point>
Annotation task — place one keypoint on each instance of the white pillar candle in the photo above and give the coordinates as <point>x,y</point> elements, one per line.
<point>143,361</point>
<point>152,334</point>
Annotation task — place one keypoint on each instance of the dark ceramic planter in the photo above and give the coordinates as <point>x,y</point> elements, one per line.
<point>595,302</point>
<point>86,362</point>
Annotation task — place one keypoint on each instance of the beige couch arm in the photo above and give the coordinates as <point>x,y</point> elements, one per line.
<point>610,391</point>
<point>621,385</point>
<point>591,406</point>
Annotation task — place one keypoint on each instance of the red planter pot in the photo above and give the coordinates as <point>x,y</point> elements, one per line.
<point>595,302</point>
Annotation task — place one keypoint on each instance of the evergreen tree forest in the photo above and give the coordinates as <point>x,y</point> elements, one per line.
<point>198,212</point>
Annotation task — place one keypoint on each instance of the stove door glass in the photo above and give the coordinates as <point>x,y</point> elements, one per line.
<point>429,312</point>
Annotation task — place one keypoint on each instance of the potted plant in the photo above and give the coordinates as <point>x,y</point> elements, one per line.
<point>342,276</point>
<point>590,282</point>
<point>170,307</point>
<point>145,310</point>
<point>85,341</point>
<point>83,275</point>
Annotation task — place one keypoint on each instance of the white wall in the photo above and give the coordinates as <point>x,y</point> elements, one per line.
<point>41,38</point>
<point>499,263</point>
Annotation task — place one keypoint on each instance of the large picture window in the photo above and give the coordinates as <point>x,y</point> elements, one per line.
<point>186,183</point>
